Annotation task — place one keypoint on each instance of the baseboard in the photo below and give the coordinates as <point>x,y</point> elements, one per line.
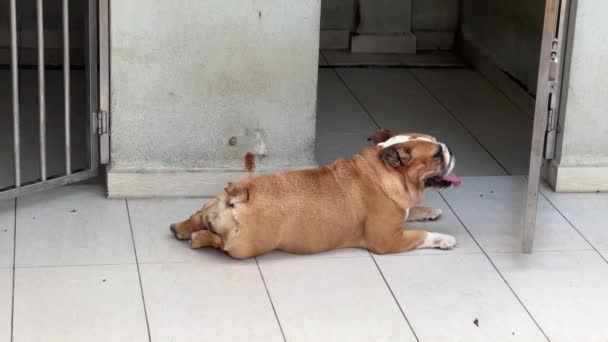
<point>578,178</point>
<point>370,43</point>
<point>486,66</point>
<point>196,183</point>
<point>334,40</point>
<point>434,40</point>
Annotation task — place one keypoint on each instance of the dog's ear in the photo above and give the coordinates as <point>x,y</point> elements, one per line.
<point>395,156</point>
<point>382,136</point>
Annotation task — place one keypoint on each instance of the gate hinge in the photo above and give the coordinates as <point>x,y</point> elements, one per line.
<point>551,122</point>
<point>552,105</point>
<point>102,122</point>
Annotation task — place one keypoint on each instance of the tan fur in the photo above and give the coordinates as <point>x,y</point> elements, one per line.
<point>361,202</point>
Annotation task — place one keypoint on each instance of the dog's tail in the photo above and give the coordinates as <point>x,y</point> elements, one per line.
<point>237,193</point>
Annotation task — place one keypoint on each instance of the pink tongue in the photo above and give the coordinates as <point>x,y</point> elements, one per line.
<point>452,178</point>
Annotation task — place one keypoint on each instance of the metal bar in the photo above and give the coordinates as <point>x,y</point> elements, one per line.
<point>104,75</point>
<point>92,84</point>
<point>66,86</point>
<point>41,88</point>
<point>49,184</point>
<point>556,75</point>
<point>540,125</point>
<point>15,86</point>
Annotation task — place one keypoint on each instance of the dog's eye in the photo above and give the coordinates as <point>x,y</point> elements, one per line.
<point>439,154</point>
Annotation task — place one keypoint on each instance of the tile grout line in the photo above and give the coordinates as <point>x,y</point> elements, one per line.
<point>72,266</point>
<point>573,226</point>
<point>496,269</point>
<point>409,324</point>
<point>141,286</point>
<point>14,262</point>
<point>352,93</point>
<point>270,299</point>
<point>459,122</point>
<point>513,103</point>
<point>324,59</point>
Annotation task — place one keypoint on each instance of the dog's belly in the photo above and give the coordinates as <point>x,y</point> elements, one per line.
<point>299,227</point>
<point>308,235</point>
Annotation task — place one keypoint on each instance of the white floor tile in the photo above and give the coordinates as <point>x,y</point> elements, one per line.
<point>447,224</point>
<point>493,210</point>
<point>587,212</point>
<point>333,299</point>
<point>79,303</point>
<point>7,232</point>
<point>73,225</point>
<point>6,293</point>
<point>337,110</point>
<point>487,113</point>
<point>442,296</point>
<point>565,292</point>
<point>398,101</point>
<point>151,218</point>
<point>331,146</point>
<point>215,299</point>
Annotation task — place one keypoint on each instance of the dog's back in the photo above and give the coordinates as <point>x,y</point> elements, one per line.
<point>282,211</point>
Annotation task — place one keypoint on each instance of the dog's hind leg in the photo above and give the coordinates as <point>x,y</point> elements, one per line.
<point>423,214</point>
<point>196,222</point>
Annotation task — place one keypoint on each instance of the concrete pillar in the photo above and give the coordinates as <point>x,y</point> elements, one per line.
<point>197,85</point>
<point>384,27</point>
<point>435,22</point>
<point>581,162</point>
<point>337,23</point>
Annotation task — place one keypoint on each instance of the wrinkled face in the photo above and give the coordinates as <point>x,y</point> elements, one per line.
<point>421,158</point>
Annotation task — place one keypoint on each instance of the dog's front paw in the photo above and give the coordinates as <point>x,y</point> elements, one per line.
<point>446,241</point>
<point>438,240</point>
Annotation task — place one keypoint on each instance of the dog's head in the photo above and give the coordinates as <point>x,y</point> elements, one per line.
<point>420,158</point>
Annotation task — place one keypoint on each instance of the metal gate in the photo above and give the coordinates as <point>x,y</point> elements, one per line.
<point>95,31</point>
<point>550,77</point>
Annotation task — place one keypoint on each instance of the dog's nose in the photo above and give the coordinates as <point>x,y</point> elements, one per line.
<point>172,228</point>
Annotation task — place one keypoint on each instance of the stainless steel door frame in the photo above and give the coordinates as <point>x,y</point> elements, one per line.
<point>44,183</point>
<point>547,106</point>
<point>104,82</point>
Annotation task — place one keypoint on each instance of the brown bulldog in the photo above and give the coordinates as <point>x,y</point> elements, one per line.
<point>360,202</point>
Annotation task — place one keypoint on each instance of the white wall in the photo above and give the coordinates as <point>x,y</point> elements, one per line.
<point>508,32</point>
<point>582,154</point>
<point>189,75</point>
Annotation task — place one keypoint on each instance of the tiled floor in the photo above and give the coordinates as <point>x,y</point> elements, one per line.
<point>489,135</point>
<point>75,266</point>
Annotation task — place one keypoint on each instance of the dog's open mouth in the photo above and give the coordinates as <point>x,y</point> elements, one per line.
<point>443,182</point>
